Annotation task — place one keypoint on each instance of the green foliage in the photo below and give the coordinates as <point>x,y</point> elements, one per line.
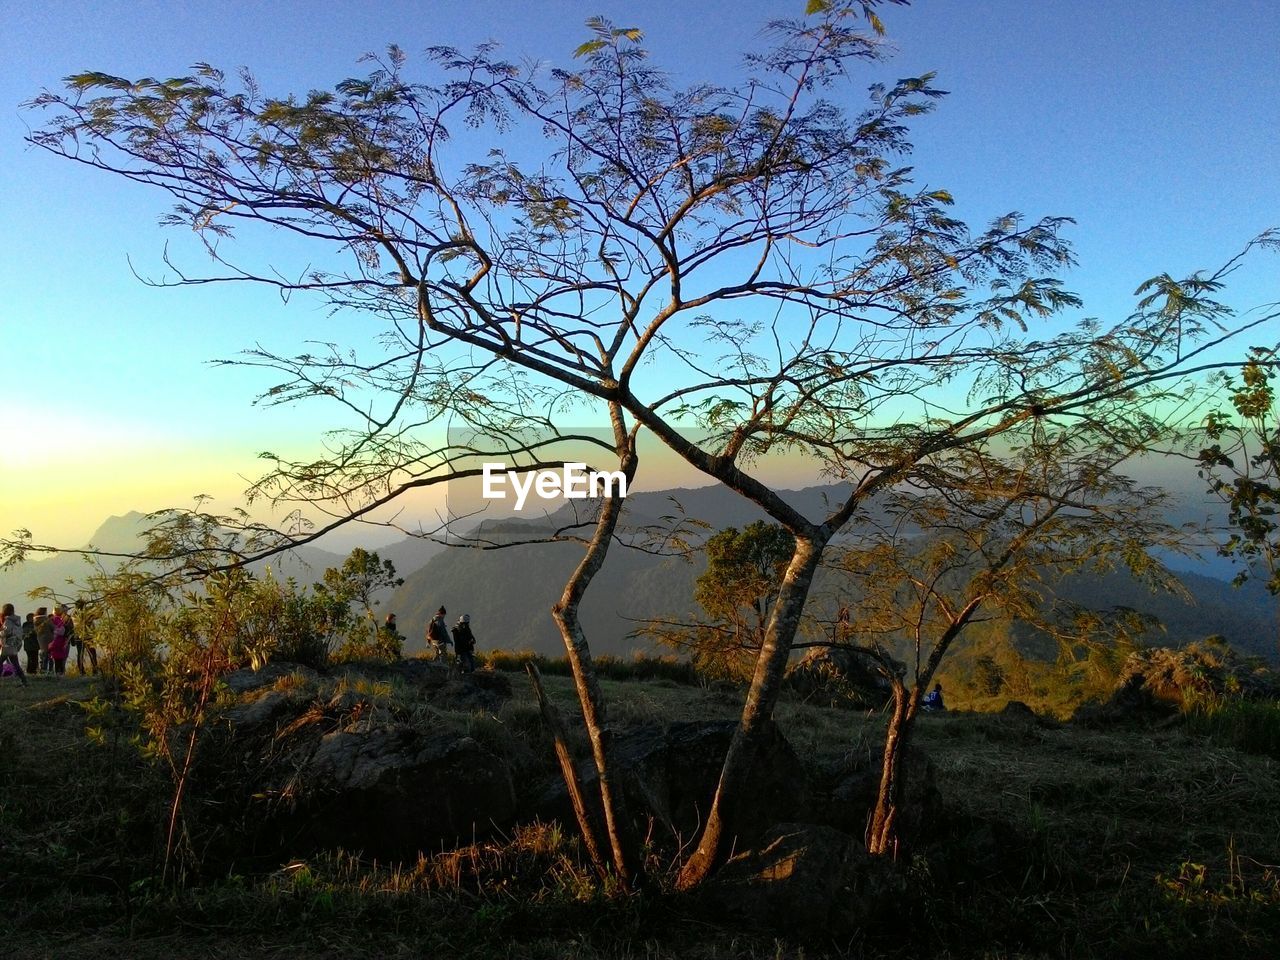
<point>166,650</point>
<point>1242,466</point>
<point>362,575</point>
<point>744,570</point>
<point>736,592</point>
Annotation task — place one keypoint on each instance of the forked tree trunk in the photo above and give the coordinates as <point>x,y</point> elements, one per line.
<point>587,826</point>
<point>625,855</point>
<point>766,684</point>
<point>882,832</point>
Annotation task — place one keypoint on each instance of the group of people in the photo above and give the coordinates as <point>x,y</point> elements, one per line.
<point>46,639</point>
<point>439,637</point>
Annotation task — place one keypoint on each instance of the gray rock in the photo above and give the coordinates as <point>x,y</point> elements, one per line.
<point>247,680</point>
<point>266,712</point>
<point>670,774</point>
<point>850,800</point>
<point>1157,683</point>
<point>393,791</point>
<point>811,879</point>
<point>839,678</point>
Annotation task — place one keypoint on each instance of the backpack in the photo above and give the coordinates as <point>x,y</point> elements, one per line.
<point>463,640</point>
<point>438,633</point>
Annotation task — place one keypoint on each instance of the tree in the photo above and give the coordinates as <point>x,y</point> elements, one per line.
<point>736,592</point>
<point>738,268</point>
<point>1242,465</point>
<point>992,533</point>
<point>361,575</point>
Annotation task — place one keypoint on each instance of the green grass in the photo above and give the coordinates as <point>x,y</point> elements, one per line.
<point>1057,842</point>
<point>1249,725</point>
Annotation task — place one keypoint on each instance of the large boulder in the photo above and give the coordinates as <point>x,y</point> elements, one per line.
<point>447,689</point>
<point>268,675</point>
<point>393,791</point>
<point>809,879</point>
<point>265,713</point>
<point>851,793</point>
<point>670,774</point>
<point>302,762</point>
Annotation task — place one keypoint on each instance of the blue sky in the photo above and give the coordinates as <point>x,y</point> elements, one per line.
<point>1154,124</point>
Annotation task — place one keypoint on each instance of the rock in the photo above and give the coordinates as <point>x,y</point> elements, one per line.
<point>1019,712</point>
<point>670,774</point>
<point>266,712</point>
<point>484,690</point>
<point>393,791</point>
<point>247,680</point>
<point>318,765</point>
<point>805,878</point>
<point>852,797</point>
<point>347,701</point>
<point>1158,683</point>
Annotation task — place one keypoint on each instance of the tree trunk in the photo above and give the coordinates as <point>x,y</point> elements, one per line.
<point>882,833</point>
<point>624,851</point>
<point>766,684</point>
<point>551,717</point>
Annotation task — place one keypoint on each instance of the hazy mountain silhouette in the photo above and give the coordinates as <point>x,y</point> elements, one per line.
<point>120,536</point>
<point>509,591</point>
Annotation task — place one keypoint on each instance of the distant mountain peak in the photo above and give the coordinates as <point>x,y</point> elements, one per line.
<point>120,534</point>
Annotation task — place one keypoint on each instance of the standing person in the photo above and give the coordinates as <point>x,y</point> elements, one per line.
<point>390,643</point>
<point>12,627</point>
<point>464,643</point>
<point>80,636</point>
<point>44,636</point>
<point>58,645</point>
<point>438,634</point>
<point>30,644</point>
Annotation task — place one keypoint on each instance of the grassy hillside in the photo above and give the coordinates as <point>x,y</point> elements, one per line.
<point>1053,841</point>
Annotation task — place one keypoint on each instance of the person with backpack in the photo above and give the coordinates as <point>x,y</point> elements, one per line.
<point>438,635</point>
<point>11,625</point>
<point>44,637</point>
<point>464,643</point>
<point>30,644</point>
